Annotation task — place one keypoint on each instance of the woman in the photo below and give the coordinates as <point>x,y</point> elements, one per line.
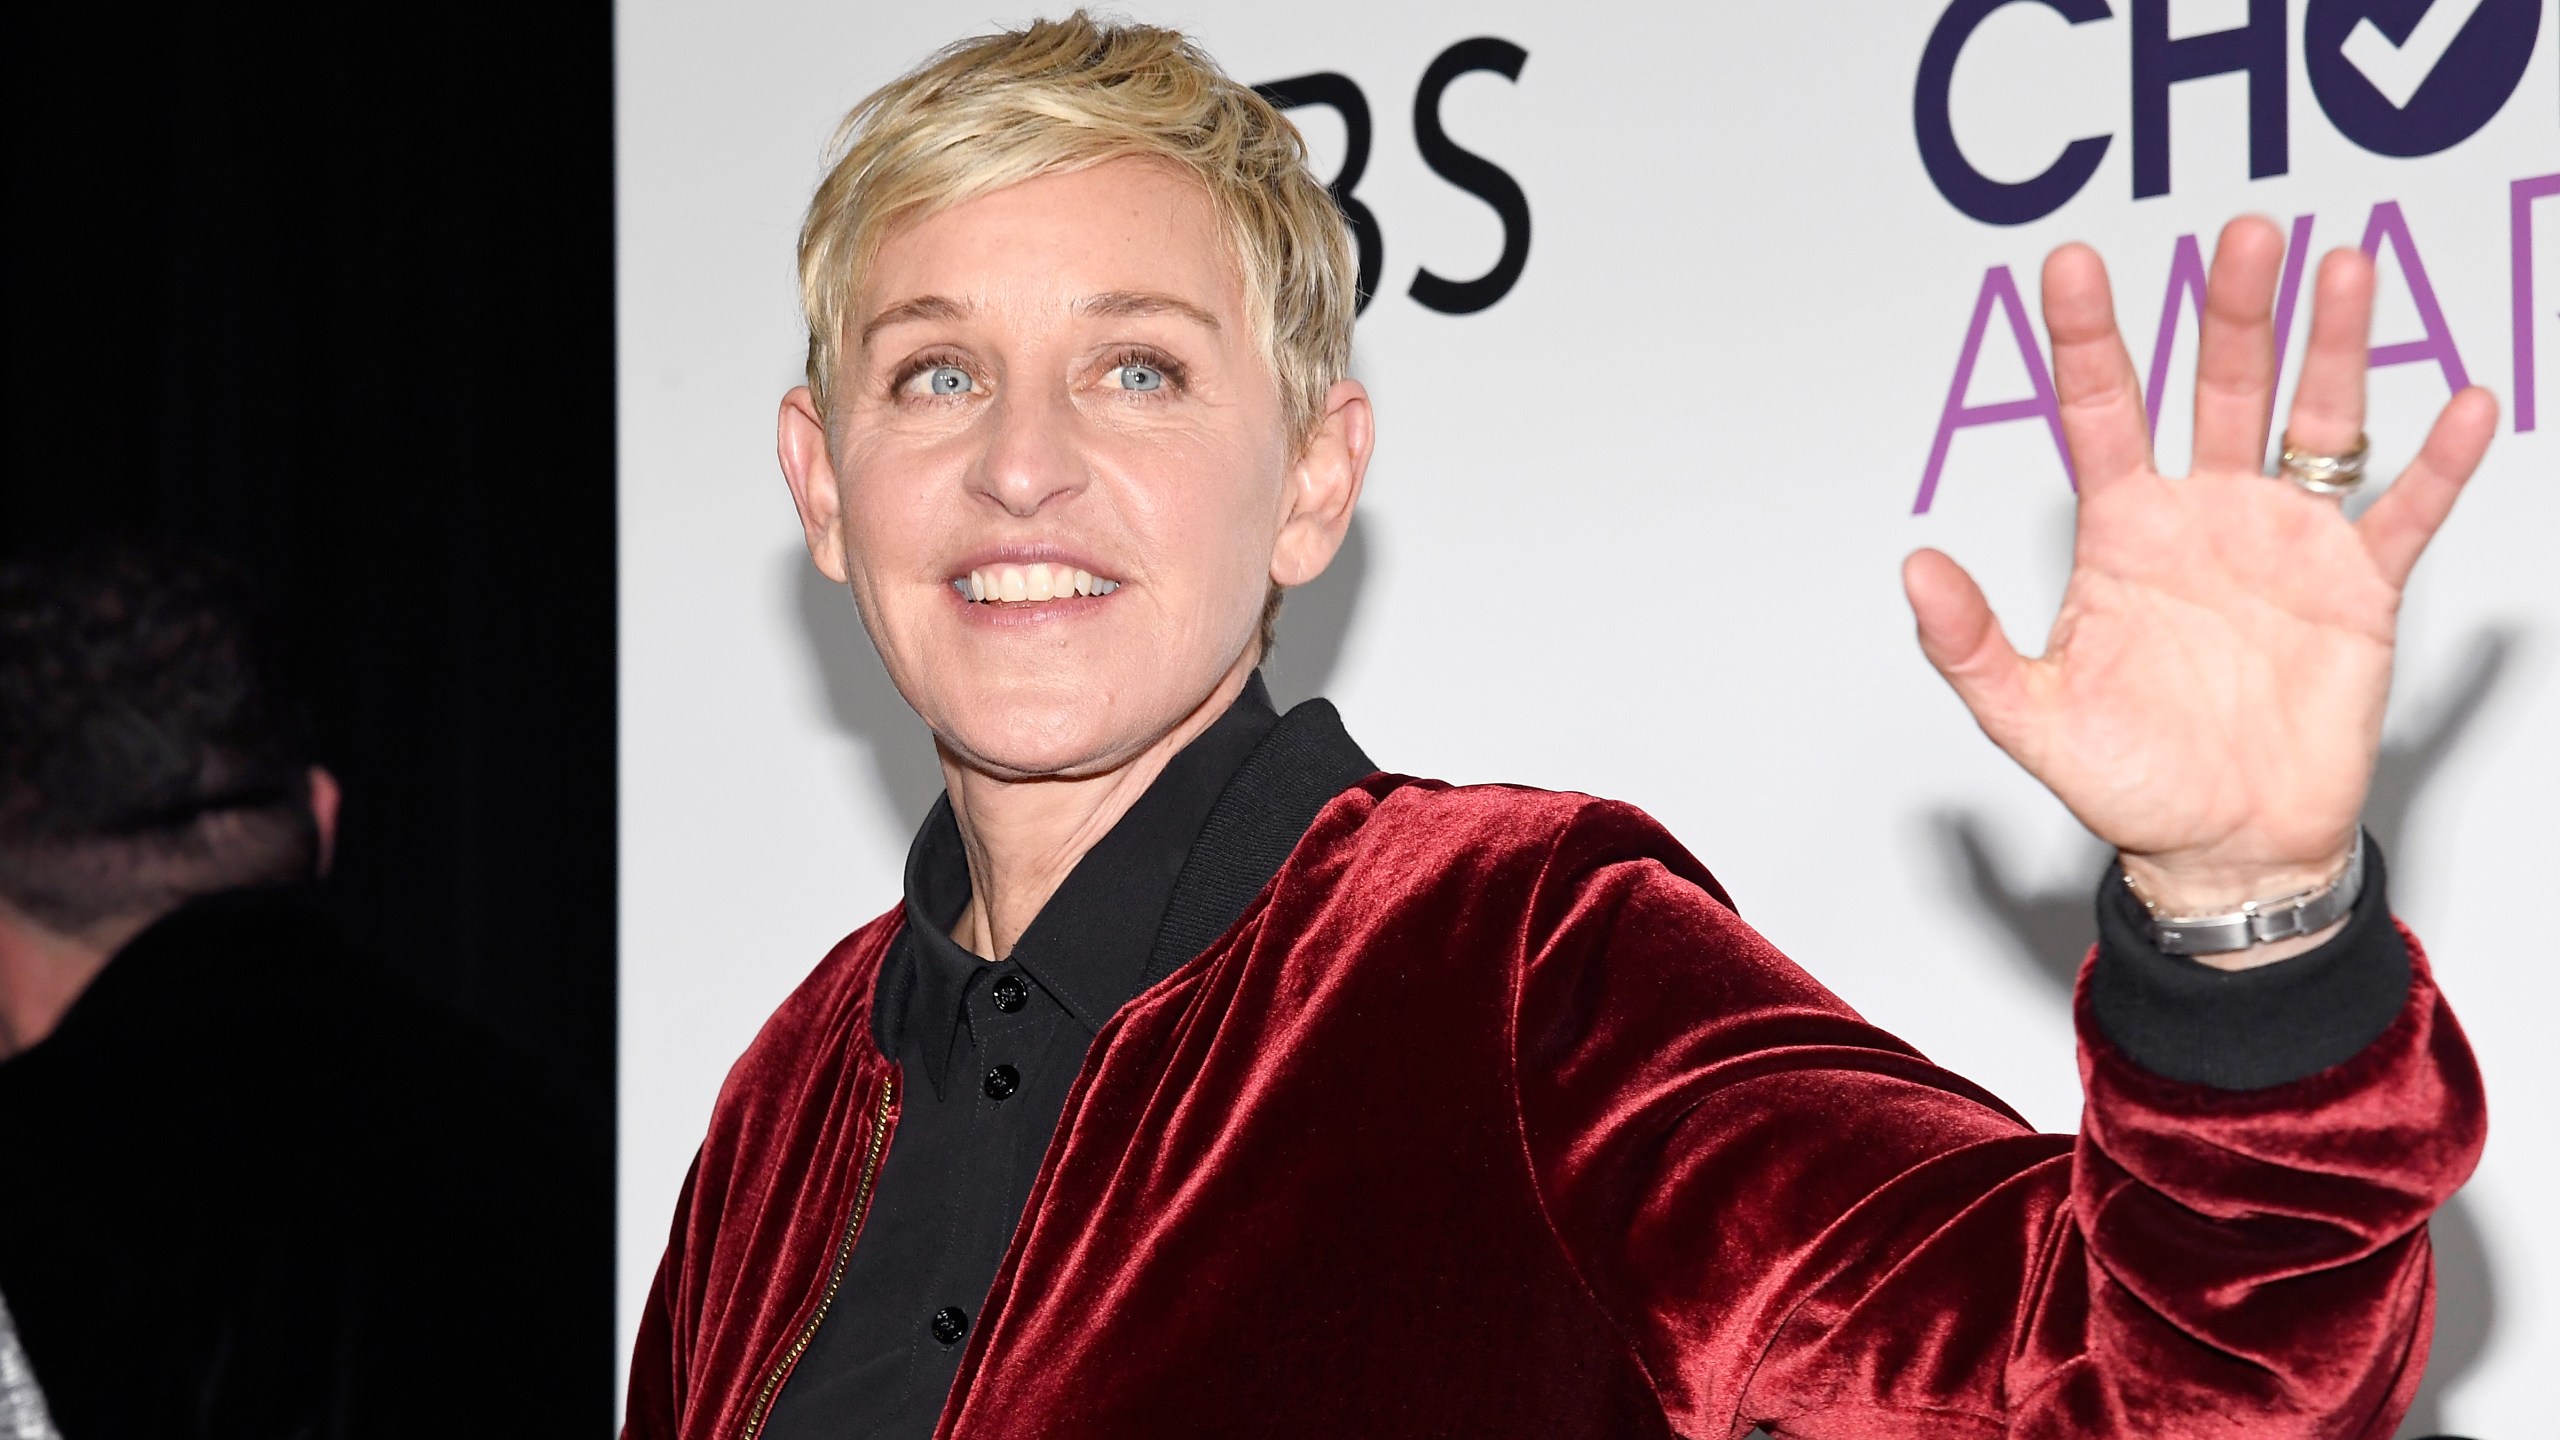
<point>1209,1081</point>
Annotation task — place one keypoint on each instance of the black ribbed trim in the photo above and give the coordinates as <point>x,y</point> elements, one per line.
<point>1306,760</point>
<point>2247,1029</point>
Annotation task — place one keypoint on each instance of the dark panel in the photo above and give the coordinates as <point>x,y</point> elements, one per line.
<point>331,291</point>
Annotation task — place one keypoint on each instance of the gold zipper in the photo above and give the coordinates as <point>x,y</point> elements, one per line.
<point>844,1252</point>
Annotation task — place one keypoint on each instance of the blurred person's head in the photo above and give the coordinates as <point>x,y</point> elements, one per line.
<point>149,755</point>
<point>1079,401</point>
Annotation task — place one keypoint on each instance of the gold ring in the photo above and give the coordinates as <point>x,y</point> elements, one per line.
<point>2323,474</point>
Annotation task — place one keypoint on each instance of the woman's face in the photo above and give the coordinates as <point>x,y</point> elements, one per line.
<point>1060,480</point>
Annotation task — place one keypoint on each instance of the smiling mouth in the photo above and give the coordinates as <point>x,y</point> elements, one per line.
<point>1029,584</point>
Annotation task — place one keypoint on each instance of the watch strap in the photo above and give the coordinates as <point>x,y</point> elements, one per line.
<point>2261,922</point>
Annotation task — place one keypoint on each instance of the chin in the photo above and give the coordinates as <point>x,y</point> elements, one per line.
<point>1054,725</point>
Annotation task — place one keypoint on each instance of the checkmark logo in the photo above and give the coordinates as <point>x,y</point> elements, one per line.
<point>2398,67</point>
<point>2454,65</point>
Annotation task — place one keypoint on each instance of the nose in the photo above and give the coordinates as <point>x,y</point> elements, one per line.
<point>1032,460</point>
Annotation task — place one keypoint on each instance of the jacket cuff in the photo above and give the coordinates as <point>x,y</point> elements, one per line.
<point>2247,1029</point>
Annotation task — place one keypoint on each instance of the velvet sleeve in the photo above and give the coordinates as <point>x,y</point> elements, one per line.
<point>1797,1221</point>
<point>650,1409</point>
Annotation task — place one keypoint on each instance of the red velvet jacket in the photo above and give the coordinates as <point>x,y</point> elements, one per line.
<point>1648,1178</point>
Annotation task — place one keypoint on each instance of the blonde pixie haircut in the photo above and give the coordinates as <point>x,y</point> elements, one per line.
<point>1063,95</point>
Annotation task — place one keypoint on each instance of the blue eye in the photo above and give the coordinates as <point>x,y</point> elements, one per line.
<point>948,380</point>
<point>1141,377</point>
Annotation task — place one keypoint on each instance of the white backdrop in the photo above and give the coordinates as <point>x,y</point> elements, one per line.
<point>1634,529</point>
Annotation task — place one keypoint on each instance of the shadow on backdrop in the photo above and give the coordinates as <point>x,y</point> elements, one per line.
<point>2050,930</point>
<point>864,704</point>
<point>860,697</point>
<point>1315,624</point>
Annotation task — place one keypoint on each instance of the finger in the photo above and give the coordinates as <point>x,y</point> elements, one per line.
<point>2396,530</point>
<point>2328,404</point>
<point>1962,638</point>
<point>2102,415</point>
<point>2236,351</point>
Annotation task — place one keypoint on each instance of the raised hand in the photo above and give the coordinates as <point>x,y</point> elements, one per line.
<point>2210,699</point>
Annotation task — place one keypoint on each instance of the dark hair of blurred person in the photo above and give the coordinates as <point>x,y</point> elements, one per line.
<point>248,1185</point>
<point>147,756</point>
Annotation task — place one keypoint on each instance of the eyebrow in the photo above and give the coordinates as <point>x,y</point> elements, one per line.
<point>907,312</point>
<point>1108,304</point>
<point>1146,302</point>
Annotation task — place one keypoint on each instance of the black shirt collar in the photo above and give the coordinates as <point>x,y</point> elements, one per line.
<point>1090,946</point>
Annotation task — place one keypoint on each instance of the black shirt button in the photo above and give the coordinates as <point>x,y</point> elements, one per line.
<point>1011,994</point>
<point>949,1324</point>
<point>1002,1081</point>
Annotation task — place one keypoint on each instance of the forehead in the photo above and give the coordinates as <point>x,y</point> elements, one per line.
<point>1046,243</point>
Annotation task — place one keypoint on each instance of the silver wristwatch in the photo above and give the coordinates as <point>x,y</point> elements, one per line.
<point>2260,922</point>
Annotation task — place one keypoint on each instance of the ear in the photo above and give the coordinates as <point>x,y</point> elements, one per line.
<point>324,815</point>
<point>811,473</point>
<point>1324,486</point>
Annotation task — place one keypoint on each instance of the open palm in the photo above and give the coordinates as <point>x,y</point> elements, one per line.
<point>2210,700</point>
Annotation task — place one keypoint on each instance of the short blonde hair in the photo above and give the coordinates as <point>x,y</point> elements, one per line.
<point>1063,95</point>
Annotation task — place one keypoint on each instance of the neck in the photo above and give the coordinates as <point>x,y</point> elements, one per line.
<point>1024,837</point>
<point>43,970</point>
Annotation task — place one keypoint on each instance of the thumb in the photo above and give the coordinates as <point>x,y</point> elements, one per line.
<point>1963,639</point>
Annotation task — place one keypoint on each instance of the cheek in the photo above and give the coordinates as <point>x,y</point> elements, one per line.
<point>892,497</point>
<point>1209,510</point>
<point>893,510</point>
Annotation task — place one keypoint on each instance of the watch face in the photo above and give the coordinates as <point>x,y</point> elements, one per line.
<point>2206,935</point>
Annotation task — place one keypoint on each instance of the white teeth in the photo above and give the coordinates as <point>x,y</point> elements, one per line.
<point>1031,584</point>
